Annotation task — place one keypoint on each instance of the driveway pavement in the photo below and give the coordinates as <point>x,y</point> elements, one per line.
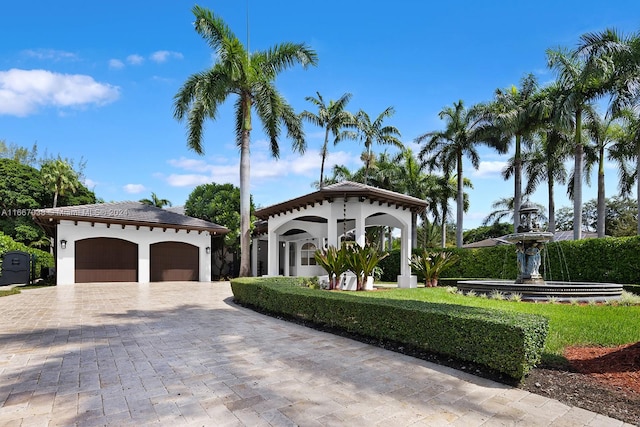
<point>183,354</point>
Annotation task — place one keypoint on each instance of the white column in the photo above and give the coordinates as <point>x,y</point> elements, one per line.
<point>286,258</point>
<point>405,279</point>
<point>144,262</point>
<point>65,261</point>
<point>272,264</point>
<point>360,226</point>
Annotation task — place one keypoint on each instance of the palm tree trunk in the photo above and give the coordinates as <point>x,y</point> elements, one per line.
<point>324,156</point>
<point>601,203</point>
<point>638,186</point>
<point>517,181</point>
<point>414,230</point>
<point>245,193</point>
<point>55,198</point>
<point>552,203</point>
<point>459,203</point>
<point>577,179</point>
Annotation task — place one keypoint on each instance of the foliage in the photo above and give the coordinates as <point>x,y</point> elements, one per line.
<point>431,264</point>
<point>42,258</point>
<point>17,153</point>
<point>156,201</point>
<point>59,177</point>
<point>361,261</point>
<point>496,229</point>
<point>333,261</point>
<point>507,342</point>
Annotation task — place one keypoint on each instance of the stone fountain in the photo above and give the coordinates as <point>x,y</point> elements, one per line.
<point>530,242</point>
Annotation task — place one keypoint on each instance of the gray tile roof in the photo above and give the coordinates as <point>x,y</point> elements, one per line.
<point>126,213</point>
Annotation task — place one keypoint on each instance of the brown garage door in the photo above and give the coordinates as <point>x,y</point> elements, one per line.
<point>104,259</point>
<point>174,261</point>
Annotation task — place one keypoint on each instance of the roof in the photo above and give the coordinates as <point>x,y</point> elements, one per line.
<point>344,189</point>
<point>125,213</point>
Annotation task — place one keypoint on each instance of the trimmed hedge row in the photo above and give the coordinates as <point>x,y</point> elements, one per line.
<point>610,259</point>
<point>507,342</point>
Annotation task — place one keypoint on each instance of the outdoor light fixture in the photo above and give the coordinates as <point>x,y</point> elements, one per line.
<point>208,250</point>
<point>63,244</point>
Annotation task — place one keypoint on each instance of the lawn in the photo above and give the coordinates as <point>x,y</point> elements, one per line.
<point>569,325</point>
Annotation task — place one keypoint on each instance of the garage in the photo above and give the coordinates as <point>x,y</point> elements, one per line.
<point>104,259</point>
<point>173,261</point>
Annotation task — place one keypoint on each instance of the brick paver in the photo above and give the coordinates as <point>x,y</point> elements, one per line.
<point>183,354</point>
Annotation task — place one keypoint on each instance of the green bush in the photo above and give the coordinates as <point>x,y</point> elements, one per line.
<point>507,342</point>
<point>43,259</point>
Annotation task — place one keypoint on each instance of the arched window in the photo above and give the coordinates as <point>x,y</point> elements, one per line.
<point>307,254</point>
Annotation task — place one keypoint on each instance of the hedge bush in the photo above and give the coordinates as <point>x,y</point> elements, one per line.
<point>43,259</point>
<point>507,342</point>
<point>610,259</point>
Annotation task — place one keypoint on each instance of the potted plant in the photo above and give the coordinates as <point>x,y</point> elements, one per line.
<point>432,264</point>
<point>362,261</point>
<point>332,260</point>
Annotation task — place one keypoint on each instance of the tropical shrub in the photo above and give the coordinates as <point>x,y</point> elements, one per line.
<point>431,264</point>
<point>361,261</point>
<point>333,261</point>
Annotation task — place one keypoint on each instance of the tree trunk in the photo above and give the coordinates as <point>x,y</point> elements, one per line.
<point>324,156</point>
<point>443,226</point>
<point>552,203</point>
<point>517,181</point>
<point>414,230</point>
<point>638,186</point>
<point>459,203</point>
<point>601,203</point>
<point>55,198</point>
<point>245,193</point>
<point>577,179</point>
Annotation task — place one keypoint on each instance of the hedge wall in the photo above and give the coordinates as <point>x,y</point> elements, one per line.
<point>507,342</point>
<point>611,259</point>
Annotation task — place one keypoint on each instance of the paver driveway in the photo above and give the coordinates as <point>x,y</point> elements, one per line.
<point>184,354</point>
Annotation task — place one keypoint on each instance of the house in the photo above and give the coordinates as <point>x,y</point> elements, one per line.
<point>127,242</point>
<point>290,232</point>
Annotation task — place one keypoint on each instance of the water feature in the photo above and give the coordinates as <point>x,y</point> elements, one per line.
<point>530,243</point>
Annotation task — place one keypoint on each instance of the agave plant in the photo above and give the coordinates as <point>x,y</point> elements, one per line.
<point>362,261</point>
<point>333,261</point>
<point>432,264</point>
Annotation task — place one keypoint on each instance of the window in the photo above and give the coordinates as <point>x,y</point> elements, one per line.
<point>307,254</point>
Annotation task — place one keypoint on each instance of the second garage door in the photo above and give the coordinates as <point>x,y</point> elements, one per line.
<point>174,261</point>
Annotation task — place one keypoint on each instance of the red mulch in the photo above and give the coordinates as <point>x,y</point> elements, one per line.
<point>617,367</point>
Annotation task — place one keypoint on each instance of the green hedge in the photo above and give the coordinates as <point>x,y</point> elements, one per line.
<point>507,342</point>
<point>43,259</point>
<point>611,259</point>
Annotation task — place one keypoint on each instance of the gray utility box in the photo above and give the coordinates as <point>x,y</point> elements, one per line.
<point>16,268</point>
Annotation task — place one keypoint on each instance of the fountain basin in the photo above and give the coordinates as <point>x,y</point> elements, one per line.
<point>558,291</point>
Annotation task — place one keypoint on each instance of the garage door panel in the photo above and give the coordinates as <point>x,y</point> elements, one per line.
<point>174,261</point>
<point>104,259</point>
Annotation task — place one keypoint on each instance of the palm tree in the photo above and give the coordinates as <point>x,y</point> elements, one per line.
<point>156,201</point>
<point>503,207</point>
<point>517,115</point>
<point>58,176</point>
<point>251,77</point>
<point>631,141</point>
<point>371,132</point>
<point>332,118</point>
<point>606,136</point>
<point>465,128</point>
<point>581,81</point>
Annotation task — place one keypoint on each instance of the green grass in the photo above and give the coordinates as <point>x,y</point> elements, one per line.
<point>569,325</point>
<point>8,292</point>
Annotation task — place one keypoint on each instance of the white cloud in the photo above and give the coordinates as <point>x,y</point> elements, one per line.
<point>116,64</point>
<point>164,55</point>
<point>134,188</point>
<point>90,184</point>
<point>135,59</point>
<point>23,91</point>
<point>187,180</point>
<point>489,169</point>
<point>50,54</point>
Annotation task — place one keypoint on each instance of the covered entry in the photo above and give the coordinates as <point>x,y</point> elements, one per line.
<point>174,261</point>
<point>105,259</point>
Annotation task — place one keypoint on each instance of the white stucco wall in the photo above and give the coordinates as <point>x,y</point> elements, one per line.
<point>144,237</point>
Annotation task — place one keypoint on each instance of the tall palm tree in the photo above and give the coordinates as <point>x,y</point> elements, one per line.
<point>251,77</point>
<point>156,201</point>
<point>464,130</point>
<point>58,176</point>
<point>581,81</point>
<point>333,118</point>
<point>517,113</point>
<point>375,131</point>
<point>606,138</point>
<point>631,141</point>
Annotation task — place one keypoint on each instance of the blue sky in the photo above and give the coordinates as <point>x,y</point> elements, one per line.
<point>95,80</point>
